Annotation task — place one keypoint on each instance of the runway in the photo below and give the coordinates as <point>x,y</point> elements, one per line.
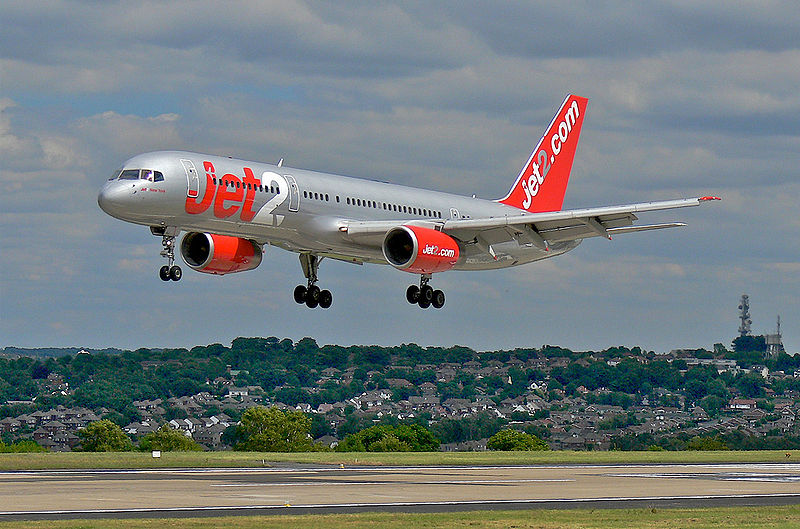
<point>210,492</point>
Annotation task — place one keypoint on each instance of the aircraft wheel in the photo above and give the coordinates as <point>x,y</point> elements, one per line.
<point>163,273</point>
<point>175,273</point>
<point>325,299</point>
<point>438,299</point>
<point>426,293</point>
<point>312,296</point>
<point>412,294</point>
<point>424,303</point>
<point>300,294</point>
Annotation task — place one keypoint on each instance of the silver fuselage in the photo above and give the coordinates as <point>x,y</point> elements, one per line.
<point>298,210</point>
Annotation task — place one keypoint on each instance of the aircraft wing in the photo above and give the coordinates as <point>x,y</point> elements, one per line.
<point>539,229</point>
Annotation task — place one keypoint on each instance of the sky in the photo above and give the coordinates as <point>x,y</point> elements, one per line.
<point>685,99</point>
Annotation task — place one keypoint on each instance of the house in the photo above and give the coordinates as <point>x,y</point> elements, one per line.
<point>742,404</point>
<point>210,436</point>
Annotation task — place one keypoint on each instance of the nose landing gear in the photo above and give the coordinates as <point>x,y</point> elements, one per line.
<point>170,271</point>
<point>424,295</point>
<point>311,295</point>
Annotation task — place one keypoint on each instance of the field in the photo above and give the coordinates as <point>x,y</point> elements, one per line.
<point>755,517</point>
<point>112,460</point>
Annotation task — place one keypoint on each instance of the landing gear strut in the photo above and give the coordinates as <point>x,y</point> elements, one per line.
<point>424,295</point>
<point>311,295</point>
<point>170,271</point>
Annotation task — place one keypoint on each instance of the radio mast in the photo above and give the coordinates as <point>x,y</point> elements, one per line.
<point>744,315</point>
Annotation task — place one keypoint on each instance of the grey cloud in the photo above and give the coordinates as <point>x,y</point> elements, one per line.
<point>448,96</point>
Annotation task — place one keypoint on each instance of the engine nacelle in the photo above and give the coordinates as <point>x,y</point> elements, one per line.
<point>420,250</point>
<point>219,254</point>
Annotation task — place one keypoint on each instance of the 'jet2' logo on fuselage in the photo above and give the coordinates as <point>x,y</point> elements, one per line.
<point>231,194</point>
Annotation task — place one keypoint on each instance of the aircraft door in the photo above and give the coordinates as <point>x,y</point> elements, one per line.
<point>454,213</point>
<point>294,193</point>
<point>193,181</point>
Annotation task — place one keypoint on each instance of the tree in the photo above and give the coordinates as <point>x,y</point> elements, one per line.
<point>104,436</point>
<point>706,443</point>
<point>387,438</point>
<point>514,440</point>
<point>750,385</point>
<point>272,430</point>
<point>168,440</point>
<point>746,344</point>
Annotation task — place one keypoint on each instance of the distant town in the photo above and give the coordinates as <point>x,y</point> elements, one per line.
<point>742,395</point>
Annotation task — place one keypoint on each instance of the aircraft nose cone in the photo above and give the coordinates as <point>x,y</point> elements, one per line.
<point>111,199</point>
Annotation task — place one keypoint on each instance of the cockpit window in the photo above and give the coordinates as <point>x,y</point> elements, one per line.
<point>143,174</point>
<point>152,176</point>
<point>115,175</point>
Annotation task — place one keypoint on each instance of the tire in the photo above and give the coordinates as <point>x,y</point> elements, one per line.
<point>163,273</point>
<point>175,273</point>
<point>412,294</point>
<point>325,299</point>
<point>424,303</point>
<point>438,299</point>
<point>312,296</point>
<point>426,293</point>
<point>313,293</point>
<point>300,294</point>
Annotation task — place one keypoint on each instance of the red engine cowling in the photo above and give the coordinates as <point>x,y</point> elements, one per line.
<point>420,250</point>
<point>219,254</point>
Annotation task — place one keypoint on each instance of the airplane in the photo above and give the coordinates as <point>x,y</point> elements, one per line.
<point>231,209</point>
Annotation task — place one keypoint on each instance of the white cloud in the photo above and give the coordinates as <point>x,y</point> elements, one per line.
<point>684,99</point>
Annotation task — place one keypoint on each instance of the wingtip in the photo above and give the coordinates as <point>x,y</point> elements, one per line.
<point>704,199</point>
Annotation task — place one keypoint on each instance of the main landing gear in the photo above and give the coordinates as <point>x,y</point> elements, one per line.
<point>169,271</point>
<point>311,295</point>
<point>424,295</point>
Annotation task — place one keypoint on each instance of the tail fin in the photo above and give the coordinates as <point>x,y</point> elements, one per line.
<point>542,183</point>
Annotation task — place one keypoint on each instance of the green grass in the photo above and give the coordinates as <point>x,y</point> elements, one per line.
<point>110,460</point>
<point>736,517</point>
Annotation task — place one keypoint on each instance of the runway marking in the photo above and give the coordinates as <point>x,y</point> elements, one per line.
<point>440,482</point>
<point>394,504</point>
<point>777,478</point>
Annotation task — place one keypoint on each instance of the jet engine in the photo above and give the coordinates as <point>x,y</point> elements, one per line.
<point>420,250</point>
<point>219,254</point>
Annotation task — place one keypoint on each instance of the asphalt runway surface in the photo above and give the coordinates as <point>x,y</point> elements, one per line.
<point>36,495</point>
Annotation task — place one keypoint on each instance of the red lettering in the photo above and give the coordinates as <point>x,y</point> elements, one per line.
<point>231,191</point>
<point>250,183</point>
<point>192,206</point>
